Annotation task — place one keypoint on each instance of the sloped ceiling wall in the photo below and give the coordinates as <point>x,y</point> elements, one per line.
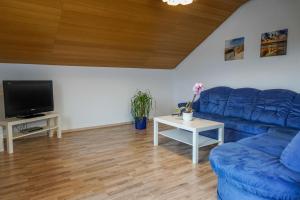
<point>111,33</point>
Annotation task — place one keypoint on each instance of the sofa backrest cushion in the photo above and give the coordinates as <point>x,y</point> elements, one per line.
<point>214,100</point>
<point>293,119</point>
<point>241,103</point>
<point>273,106</point>
<point>290,156</point>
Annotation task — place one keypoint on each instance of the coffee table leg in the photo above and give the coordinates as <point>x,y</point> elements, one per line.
<point>221,135</point>
<point>195,148</point>
<point>155,136</point>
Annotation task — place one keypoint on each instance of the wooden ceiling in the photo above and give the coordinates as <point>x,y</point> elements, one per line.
<point>109,33</point>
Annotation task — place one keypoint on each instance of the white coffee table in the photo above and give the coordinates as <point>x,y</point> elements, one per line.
<point>188,132</point>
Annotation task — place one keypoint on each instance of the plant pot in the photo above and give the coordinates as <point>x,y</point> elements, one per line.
<point>141,123</point>
<point>187,116</point>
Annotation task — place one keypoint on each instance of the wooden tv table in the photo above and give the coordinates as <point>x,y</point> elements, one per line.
<point>53,123</point>
<point>188,132</point>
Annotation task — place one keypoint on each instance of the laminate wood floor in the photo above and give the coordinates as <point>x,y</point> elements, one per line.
<point>116,163</point>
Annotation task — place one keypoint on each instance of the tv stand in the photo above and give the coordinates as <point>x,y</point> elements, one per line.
<point>31,116</point>
<point>53,125</point>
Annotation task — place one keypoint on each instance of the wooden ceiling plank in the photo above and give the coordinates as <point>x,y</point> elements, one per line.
<point>119,33</point>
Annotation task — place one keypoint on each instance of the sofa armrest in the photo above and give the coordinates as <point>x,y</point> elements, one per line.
<point>195,107</point>
<point>182,104</point>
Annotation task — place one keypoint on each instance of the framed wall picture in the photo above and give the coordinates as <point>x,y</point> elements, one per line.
<point>274,43</point>
<point>234,49</point>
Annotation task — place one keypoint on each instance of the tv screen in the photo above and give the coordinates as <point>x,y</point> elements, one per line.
<point>25,98</point>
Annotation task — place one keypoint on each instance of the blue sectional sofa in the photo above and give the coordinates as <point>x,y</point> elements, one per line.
<point>258,127</point>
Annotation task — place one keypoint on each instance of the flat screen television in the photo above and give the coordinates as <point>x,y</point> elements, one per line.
<point>27,98</point>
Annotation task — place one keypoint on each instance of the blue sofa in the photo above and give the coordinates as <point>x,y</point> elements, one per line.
<point>258,127</point>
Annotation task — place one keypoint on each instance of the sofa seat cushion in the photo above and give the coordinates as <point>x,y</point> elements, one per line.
<point>267,143</point>
<point>241,103</point>
<point>255,172</point>
<point>236,123</point>
<point>291,155</point>
<point>208,116</point>
<point>283,132</point>
<point>214,100</point>
<point>230,135</point>
<point>293,119</point>
<point>273,106</point>
<point>246,126</point>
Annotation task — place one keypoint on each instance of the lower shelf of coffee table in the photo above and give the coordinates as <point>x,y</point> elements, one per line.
<point>186,137</point>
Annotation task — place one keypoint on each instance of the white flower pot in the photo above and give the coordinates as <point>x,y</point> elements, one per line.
<point>187,116</point>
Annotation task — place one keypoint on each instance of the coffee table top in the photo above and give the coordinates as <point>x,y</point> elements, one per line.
<point>195,125</point>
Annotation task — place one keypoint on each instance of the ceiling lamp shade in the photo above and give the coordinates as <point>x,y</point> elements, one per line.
<point>177,2</point>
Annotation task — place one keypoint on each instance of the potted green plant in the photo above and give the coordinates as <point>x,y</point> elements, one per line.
<point>141,105</point>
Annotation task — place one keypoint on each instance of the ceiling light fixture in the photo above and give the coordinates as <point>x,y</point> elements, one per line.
<point>178,2</point>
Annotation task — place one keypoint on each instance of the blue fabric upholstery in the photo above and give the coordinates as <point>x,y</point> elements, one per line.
<point>267,143</point>
<point>208,116</point>
<point>241,103</point>
<point>283,132</point>
<point>256,173</point>
<point>263,161</point>
<point>273,106</point>
<point>246,126</point>
<point>227,191</point>
<point>230,135</point>
<point>293,119</point>
<point>250,127</point>
<point>249,110</point>
<point>214,100</point>
<point>291,155</point>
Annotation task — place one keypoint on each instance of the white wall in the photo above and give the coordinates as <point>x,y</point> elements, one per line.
<point>206,63</point>
<point>87,97</point>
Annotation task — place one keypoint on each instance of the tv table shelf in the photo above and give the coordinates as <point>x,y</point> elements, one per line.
<point>53,124</point>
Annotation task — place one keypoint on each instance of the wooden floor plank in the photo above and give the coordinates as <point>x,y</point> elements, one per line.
<point>115,163</point>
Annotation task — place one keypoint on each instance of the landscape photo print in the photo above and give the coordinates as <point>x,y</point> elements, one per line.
<point>234,49</point>
<point>274,43</point>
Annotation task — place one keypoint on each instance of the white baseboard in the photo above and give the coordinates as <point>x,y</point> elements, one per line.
<point>96,127</point>
<point>100,126</point>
